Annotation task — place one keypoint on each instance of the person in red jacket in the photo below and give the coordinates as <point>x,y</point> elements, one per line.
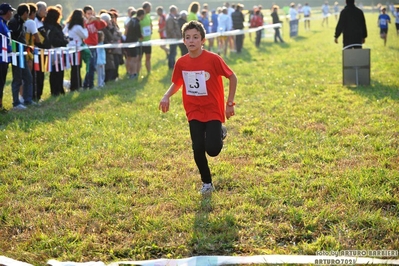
<point>200,73</point>
<point>93,24</point>
<point>257,21</point>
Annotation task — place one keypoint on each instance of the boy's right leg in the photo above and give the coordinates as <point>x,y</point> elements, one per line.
<point>197,132</point>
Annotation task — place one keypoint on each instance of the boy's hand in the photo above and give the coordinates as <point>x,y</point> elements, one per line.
<point>164,104</point>
<point>229,111</point>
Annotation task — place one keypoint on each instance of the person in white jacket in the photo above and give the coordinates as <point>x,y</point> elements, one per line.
<point>224,24</point>
<point>76,32</point>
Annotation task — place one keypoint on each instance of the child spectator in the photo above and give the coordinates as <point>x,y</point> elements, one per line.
<point>100,67</point>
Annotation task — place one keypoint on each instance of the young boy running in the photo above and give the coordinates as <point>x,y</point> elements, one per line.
<point>200,73</point>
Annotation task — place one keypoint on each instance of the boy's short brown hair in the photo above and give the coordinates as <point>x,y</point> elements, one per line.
<point>193,25</point>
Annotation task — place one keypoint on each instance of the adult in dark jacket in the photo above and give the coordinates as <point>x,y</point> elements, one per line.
<point>20,74</point>
<point>56,39</point>
<point>181,21</point>
<point>276,20</point>
<point>352,25</point>
<point>238,24</point>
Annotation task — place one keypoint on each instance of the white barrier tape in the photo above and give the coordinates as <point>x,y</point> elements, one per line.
<point>224,260</point>
<point>8,262</point>
<point>72,49</point>
<point>177,41</point>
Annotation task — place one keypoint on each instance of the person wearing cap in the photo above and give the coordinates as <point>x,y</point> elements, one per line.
<point>276,19</point>
<point>336,10</point>
<point>383,20</point>
<point>5,15</point>
<point>352,25</point>
<point>238,24</point>
<point>20,74</point>
<point>256,22</point>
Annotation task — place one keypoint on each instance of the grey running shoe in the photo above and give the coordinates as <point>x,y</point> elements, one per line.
<point>207,188</point>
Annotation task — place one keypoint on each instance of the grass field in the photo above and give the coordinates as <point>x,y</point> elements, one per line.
<point>308,164</point>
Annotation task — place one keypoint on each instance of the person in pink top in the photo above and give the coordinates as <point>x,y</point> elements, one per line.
<point>93,25</point>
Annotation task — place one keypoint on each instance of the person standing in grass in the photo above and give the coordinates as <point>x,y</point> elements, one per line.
<point>276,20</point>
<point>101,60</point>
<point>133,34</point>
<point>325,9</point>
<point>172,32</point>
<point>146,31</point>
<point>20,73</point>
<point>396,14</point>
<point>193,10</point>
<point>307,11</point>
<point>352,25</point>
<point>6,11</point>
<point>93,24</point>
<point>383,20</point>
<point>162,29</point>
<point>77,33</point>
<point>200,73</point>
<point>257,21</point>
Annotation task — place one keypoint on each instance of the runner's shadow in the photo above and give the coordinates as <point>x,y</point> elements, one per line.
<point>212,235</point>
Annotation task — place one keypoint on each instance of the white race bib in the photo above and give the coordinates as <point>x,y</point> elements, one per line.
<point>194,82</point>
<point>146,31</point>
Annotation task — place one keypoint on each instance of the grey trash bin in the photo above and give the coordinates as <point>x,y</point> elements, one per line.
<point>356,66</point>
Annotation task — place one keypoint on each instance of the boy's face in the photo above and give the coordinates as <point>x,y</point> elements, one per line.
<point>192,40</point>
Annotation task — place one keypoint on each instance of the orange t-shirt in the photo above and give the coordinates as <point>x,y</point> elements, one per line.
<point>203,91</point>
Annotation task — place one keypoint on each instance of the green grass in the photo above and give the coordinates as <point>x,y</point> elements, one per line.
<point>308,164</point>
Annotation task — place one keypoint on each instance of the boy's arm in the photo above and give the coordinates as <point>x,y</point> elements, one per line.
<point>230,99</point>
<point>164,104</point>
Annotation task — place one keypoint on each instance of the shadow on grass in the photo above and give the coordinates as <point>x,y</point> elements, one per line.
<point>377,91</point>
<point>212,235</point>
<point>64,106</point>
<point>299,38</point>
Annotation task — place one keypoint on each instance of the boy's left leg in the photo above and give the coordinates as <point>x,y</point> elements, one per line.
<point>213,138</point>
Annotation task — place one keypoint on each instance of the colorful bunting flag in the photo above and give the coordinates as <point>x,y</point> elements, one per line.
<point>56,61</point>
<point>67,59</point>
<point>42,60</point>
<point>62,63</point>
<point>36,65</point>
<point>48,61</point>
<point>4,53</point>
<point>14,53</point>
<point>21,55</point>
